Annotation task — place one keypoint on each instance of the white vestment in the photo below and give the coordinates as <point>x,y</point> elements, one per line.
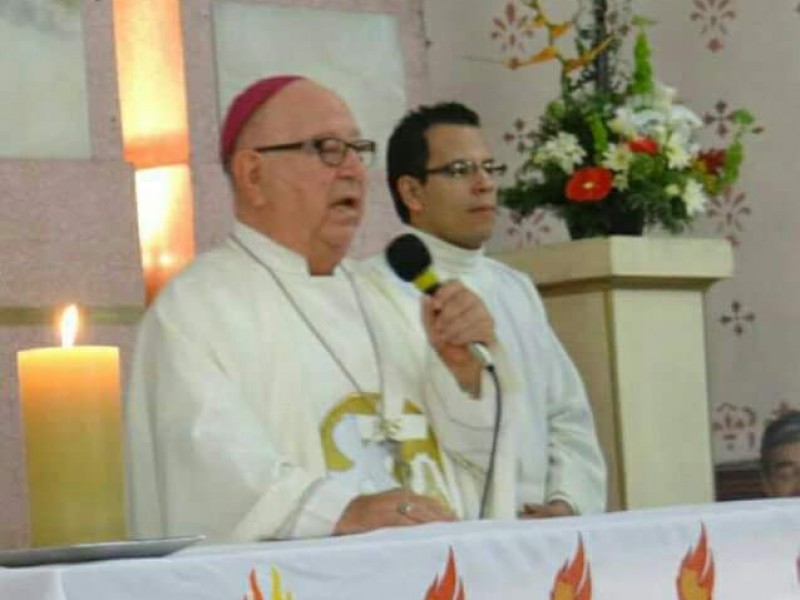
<point>235,408</point>
<point>548,448</point>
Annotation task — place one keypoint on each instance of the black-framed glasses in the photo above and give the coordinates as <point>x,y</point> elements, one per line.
<point>785,473</point>
<point>331,150</point>
<point>465,169</point>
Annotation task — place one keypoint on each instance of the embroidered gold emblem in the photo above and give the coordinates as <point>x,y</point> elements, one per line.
<point>417,465</point>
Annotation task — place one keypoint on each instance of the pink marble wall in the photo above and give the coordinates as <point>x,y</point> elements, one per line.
<point>69,232</point>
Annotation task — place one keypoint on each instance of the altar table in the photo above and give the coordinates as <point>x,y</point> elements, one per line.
<point>728,551</point>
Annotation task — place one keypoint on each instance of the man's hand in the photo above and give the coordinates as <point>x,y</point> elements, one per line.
<point>554,508</point>
<point>453,318</point>
<point>395,508</point>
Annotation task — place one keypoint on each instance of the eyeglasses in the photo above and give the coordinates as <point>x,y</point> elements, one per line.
<point>465,169</point>
<point>331,151</point>
<point>785,473</point>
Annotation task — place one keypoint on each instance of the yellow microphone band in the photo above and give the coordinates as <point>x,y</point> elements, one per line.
<point>425,280</point>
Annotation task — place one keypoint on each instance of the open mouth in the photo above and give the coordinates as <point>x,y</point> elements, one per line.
<point>348,202</point>
<point>347,207</point>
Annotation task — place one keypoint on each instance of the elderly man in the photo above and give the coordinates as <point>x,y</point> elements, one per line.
<point>780,456</point>
<point>268,398</point>
<point>442,179</point>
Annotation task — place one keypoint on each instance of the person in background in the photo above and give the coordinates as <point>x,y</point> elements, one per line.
<point>267,398</point>
<point>442,177</point>
<point>780,456</point>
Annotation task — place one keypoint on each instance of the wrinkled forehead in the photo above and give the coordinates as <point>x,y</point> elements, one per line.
<point>303,110</point>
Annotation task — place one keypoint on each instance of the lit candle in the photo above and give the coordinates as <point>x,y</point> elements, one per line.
<point>72,416</point>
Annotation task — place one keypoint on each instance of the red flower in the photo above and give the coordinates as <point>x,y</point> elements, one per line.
<point>712,160</point>
<point>589,184</point>
<point>644,145</point>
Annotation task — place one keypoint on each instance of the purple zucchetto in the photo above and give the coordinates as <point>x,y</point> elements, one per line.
<point>244,105</point>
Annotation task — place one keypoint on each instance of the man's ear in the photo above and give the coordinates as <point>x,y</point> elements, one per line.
<point>245,168</point>
<point>410,189</point>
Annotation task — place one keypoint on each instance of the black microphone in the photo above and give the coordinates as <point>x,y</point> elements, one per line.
<point>411,261</point>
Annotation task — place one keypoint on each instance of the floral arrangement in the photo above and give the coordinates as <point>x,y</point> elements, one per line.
<point>616,152</point>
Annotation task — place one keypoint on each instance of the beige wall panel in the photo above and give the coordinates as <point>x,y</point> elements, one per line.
<point>662,391</point>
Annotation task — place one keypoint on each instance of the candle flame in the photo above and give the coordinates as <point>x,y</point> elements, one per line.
<point>69,325</point>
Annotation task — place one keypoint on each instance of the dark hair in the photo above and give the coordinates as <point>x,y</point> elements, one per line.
<point>407,151</point>
<point>781,431</point>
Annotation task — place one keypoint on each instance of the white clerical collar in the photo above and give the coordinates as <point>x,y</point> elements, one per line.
<point>449,260</point>
<point>276,255</point>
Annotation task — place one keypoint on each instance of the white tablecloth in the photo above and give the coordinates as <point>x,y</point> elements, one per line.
<point>751,552</point>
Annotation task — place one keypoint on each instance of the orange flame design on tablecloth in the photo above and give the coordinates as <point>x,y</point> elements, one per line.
<point>574,580</point>
<point>277,593</point>
<point>696,577</point>
<point>450,587</point>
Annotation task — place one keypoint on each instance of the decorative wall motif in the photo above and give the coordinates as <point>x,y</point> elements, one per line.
<point>512,29</point>
<point>520,135</point>
<point>780,410</point>
<point>534,229</point>
<point>738,318</point>
<point>721,117</point>
<point>729,212</point>
<point>714,17</point>
<point>735,428</point>
<point>529,231</point>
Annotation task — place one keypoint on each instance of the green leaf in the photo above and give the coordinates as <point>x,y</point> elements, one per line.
<point>734,157</point>
<point>642,77</point>
<point>599,134</point>
<point>743,117</point>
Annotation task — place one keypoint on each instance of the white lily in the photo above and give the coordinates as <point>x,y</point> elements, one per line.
<point>620,181</point>
<point>681,116</point>
<point>663,95</point>
<point>622,123</point>
<point>694,197</point>
<point>617,157</point>
<point>563,149</point>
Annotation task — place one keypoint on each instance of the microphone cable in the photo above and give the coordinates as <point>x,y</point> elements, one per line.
<point>498,418</point>
<point>410,260</point>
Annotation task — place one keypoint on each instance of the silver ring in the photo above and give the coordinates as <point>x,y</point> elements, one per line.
<point>404,508</point>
